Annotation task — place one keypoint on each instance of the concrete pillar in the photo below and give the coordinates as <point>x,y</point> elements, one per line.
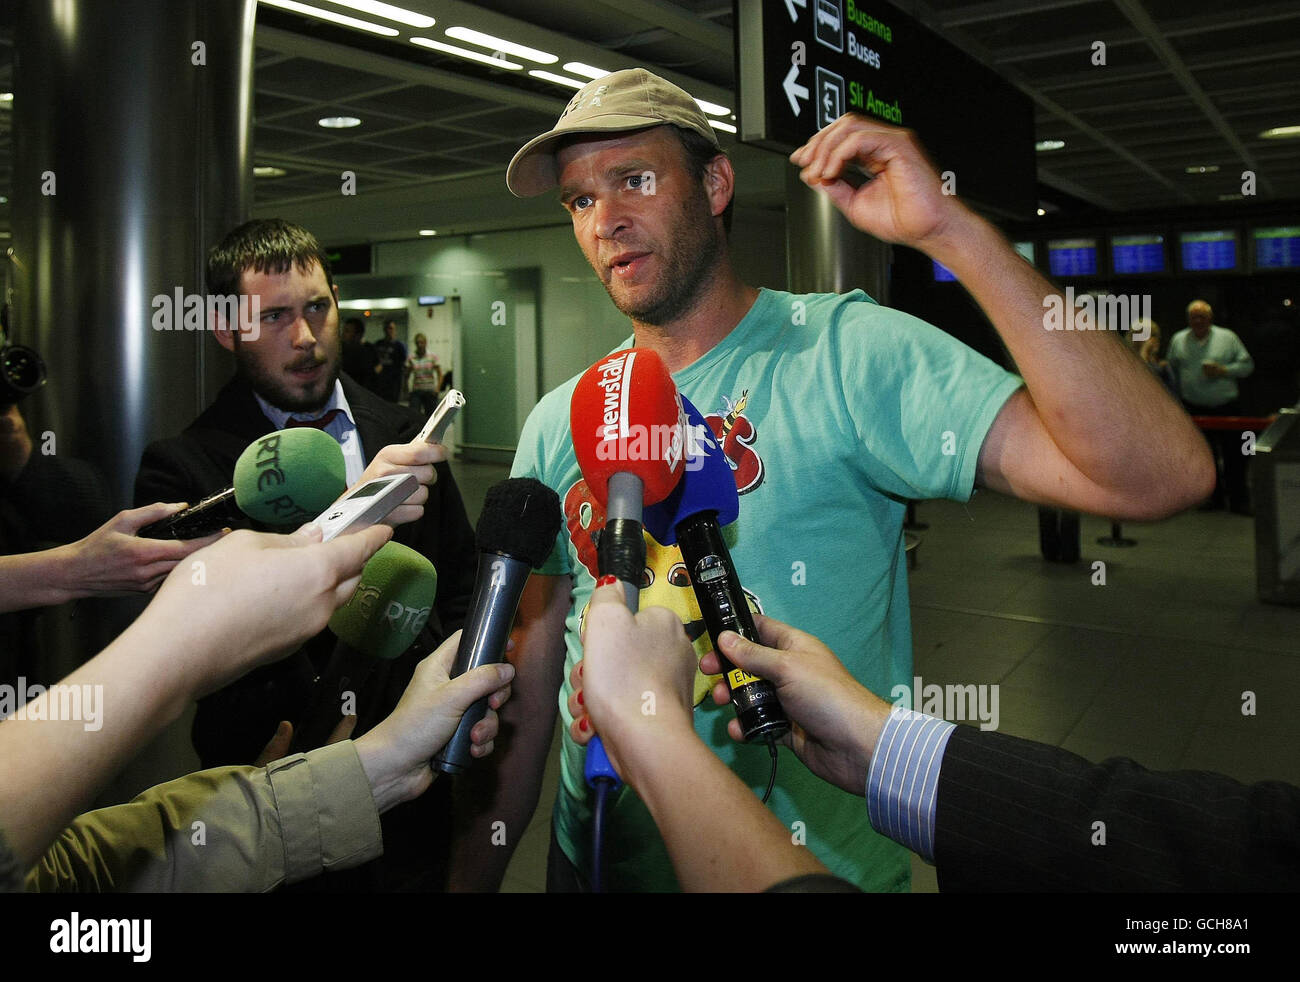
<point>824,253</point>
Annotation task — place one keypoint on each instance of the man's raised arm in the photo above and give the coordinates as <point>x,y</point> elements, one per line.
<point>1095,430</point>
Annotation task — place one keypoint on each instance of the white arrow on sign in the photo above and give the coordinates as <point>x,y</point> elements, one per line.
<point>793,90</point>
<point>791,4</point>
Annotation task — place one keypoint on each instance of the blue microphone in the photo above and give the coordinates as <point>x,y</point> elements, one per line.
<point>692,517</point>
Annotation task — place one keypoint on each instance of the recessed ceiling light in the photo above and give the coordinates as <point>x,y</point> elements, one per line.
<point>1042,212</point>
<point>388,11</point>
<point>718,124</point>
<point>451,49</point>
<point>573,83</point>
<point>329,15</point>
<point>1202,169</point>
<point>6,97</point>
<point>1044,145</point>
<point>712,108</point>
<point>266,170</point>
<point>586,71</point>
<point>3,200</point>
<point>498,44</point>
<point>338,122</point>
<point>1281,133</point>
<point>428,231</point>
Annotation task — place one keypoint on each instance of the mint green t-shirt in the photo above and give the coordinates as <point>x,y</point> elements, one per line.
<point>832,411</point>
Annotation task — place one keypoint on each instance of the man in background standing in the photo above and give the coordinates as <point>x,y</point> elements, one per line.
<point>359,359</point>
<point>426,377</point>
<point>392,363</point>
<point>1207,360</point>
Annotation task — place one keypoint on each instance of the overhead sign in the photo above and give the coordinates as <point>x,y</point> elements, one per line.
<point>823,57</point>
<point>804,63</point>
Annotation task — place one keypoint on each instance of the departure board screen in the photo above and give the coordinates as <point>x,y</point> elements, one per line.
<point>1137,253</point>
<point>1072,257</point>
<point>1277,248</point>
<point>1207,252</point>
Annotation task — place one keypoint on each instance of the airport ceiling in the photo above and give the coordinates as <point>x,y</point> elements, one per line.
<point>1187,84</point>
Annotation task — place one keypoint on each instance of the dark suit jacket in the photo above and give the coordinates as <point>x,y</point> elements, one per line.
<point>1016,815</point>
<point>233,725</point>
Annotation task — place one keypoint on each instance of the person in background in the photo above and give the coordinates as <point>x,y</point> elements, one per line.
<point>359,359</point>
<point>392,363</point>
<point>1144,338</point>
<point>1207,360</point>
<point>425,373</point>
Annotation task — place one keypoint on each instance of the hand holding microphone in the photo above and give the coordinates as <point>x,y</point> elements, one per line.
<point>628,433</point>
<point>111,559</point>
<point>251,598</point>
<point>515,533</point>
<point>380,620</point>
<point>395,754</point>
<point>693,516</point>
<point>635,683</point>
<point>283,479</point>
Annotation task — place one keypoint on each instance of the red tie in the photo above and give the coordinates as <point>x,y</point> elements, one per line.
<point>320,423</point>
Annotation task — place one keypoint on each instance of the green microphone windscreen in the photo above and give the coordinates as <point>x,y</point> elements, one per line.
<point>290,476</point>
<point>390,605</point>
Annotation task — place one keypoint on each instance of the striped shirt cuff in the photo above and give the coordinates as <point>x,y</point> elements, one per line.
<point>904,778</point>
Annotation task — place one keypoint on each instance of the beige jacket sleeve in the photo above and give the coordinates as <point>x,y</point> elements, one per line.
<point>229,829</point>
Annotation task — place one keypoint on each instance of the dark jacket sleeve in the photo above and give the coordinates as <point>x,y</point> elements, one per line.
<point>186,468</point>
<point>1016,815</point>
<point>60,499</point>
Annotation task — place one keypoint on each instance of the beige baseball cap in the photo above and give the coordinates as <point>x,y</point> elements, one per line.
<point>632,99</point>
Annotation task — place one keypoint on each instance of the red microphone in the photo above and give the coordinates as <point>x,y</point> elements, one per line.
<point>629,434</point>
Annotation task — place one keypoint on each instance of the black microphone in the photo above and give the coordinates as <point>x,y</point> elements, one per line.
<point>516,532</point>
<point>693,516</point>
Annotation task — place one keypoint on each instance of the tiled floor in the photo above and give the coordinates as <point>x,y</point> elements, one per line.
<point>1156,663</point>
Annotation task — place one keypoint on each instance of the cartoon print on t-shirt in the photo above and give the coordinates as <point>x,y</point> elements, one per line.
<point>737,434</point>
<point>664,583</point>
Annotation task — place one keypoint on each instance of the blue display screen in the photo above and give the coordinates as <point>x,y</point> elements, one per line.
<point>1072,257</point>
<point>1137,253</point>
<point>1277,248</point>
<point>942,274</point>
<point>1209,251</point>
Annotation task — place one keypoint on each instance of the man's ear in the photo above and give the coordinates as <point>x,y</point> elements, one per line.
<point>221,330</point>
<point>719,183</point>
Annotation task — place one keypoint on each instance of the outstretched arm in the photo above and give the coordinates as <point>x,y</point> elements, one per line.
<point>112,559</point>
<point>1094,431</point>
<point>196,635</point>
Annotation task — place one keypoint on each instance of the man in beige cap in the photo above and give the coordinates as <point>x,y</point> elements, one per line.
<point>832,411</point>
